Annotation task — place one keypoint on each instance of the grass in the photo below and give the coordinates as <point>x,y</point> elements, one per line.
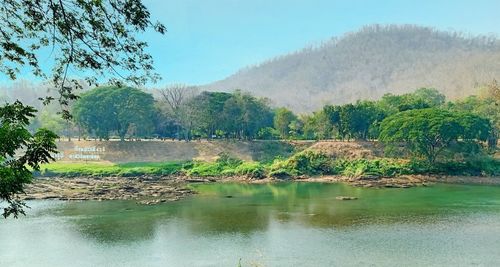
<point>302,163</point>
<point>110,169</point>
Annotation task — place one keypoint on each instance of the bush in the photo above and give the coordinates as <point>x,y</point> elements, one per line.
<point>375,167</point>
<point>281,169</point>
<point>204,169</point>
<point>310,163</point>
<point>484,166</point>
<point>251,169</point>
<point>227,160</point>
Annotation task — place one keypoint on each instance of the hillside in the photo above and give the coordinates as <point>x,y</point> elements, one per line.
<point>369,63</point>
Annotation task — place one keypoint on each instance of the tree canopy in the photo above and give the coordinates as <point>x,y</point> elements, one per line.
<point>120,110</point>
<point>427,132</point>
<point>95,36</point>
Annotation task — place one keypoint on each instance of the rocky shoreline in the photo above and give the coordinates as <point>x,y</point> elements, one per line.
<point>153,190</point>
<point>145,190</point>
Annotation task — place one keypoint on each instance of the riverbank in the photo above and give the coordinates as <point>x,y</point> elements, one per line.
<point>158,189</point>
<point>143,189</point>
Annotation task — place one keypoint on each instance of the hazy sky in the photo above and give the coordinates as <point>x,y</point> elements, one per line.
<point>208,40</point>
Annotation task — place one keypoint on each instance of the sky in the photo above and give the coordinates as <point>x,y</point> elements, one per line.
<point>208,40</point>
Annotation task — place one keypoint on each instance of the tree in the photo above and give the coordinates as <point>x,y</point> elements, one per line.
<point>207,109</point>
<point>123,110</point>
<point>316,126</point>
<point>176,98</point>
<point>427,132</point>
<point>37,147</point>
<point>95,37</point>
<point>282,119</point>
<point>431,96</point>
<point>421,98</point>
<point>493,91</point>
<point>50,120</point>
<point>486,105</point>
<point>244,115</point>
<point>99,36</point>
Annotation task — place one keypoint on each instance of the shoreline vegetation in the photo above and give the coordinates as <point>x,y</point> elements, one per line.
<point>152,183</point>
<point>410,139</point>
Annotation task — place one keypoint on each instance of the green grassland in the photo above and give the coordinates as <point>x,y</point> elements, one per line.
<point>308,163</point>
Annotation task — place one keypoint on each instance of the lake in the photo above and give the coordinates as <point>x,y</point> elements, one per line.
<point>285,224</point>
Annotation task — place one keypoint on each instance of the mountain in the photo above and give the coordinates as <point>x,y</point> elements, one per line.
<point>370,63</point>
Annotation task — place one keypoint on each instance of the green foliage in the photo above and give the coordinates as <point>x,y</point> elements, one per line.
<point>282,119</point>
<point>98,38</point>
<point>427,132</point>
<point>481,166</point>
<point>280,168</point>
<point>35,149</point>
<point>420,99</point>
<point>268,133</point>
<point>486,107</point>
<point>314,163</point>
<point>316,126</point>
<point>375,167</point>
<point>310,163</point>
<point>251,169</point>
<point>237,115</point>
<point>108,169</point>
<point>204,169</point>
<point>122,110</point>
<point>227,160</point>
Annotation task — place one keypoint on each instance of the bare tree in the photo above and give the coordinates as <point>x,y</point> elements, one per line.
<point>176,97</point>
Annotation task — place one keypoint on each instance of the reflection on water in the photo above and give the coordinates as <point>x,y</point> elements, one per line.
<point>273,225</point>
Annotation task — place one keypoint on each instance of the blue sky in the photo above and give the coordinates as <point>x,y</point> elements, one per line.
<point>208,40</point>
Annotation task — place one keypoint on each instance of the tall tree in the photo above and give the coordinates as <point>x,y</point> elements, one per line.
<point>282,119</point>
<point>207,109</point>
<point>123,110</point>
<point>176,98</point>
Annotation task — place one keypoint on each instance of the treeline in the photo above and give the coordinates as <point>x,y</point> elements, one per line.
<point>421,124</point>
<point>183,113</point>
<point>178,113</point>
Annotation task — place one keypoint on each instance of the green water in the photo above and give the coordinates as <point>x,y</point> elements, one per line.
<point>290,224</point>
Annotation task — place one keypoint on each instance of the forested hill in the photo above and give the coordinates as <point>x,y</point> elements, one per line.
<point>371,62</point>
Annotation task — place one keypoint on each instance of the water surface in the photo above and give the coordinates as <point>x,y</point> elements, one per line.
<point>289,224</point>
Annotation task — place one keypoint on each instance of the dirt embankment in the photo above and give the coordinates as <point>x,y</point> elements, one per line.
<point>161,151</point>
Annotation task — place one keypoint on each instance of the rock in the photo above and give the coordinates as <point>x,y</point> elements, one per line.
<point>345,198</point>
<point>196,180</point>
<point>369,177</point>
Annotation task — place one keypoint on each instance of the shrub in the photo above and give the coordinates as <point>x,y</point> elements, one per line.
<point>251,169</point>
<point>227,160</point>
<point>281,169</point>
<point>375,167</point>
<point>310,163</point>
<point>204,169</point>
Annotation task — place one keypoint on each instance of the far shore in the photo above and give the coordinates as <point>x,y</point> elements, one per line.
<point>153,190</point>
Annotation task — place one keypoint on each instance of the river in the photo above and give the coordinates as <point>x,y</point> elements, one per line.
<point>285,224</point>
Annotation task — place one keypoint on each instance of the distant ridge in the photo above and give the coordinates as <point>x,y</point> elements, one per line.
<point>369,63</point>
